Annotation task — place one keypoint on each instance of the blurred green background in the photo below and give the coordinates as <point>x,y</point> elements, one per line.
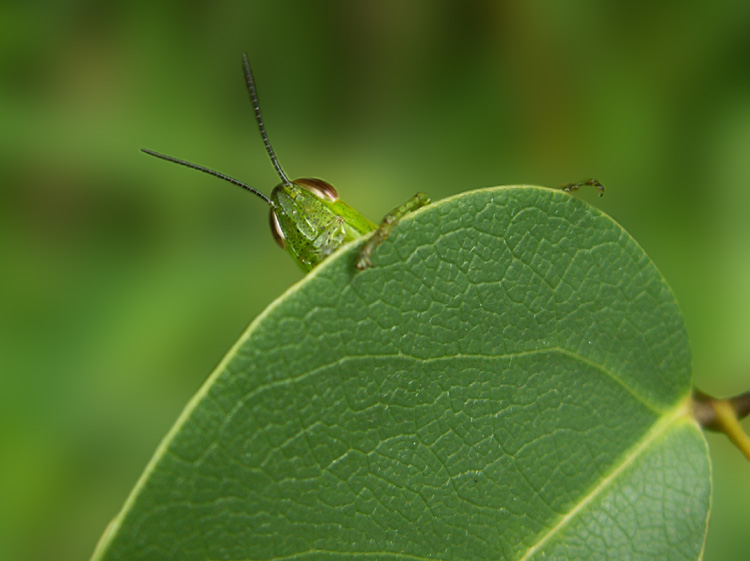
<point>125,279</point>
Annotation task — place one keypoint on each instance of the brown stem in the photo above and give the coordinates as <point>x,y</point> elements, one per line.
<point>723,415</point>
<point>741,405</point>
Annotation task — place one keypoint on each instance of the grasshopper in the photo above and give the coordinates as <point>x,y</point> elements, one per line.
<point>307,217</point>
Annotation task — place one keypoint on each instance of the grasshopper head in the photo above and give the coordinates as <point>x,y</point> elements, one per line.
<point>298,201</point>
<point>307,218</point>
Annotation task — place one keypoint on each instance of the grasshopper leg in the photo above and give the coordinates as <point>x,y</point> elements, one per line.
<point>589,182</point>
<point>389,222</point>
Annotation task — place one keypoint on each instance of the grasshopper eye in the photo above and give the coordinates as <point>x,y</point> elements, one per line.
<point>276,231</point>
<point>319,188</point>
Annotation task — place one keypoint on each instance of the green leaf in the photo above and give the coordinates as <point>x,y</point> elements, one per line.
<point>509,381</point>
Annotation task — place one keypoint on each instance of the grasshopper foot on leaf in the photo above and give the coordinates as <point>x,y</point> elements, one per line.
<point>589,182</point>
<point>389,222</point>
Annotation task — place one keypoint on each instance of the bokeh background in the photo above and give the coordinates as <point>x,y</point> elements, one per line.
<point>125,279</point>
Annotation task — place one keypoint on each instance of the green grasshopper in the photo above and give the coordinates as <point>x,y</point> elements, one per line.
<point>307,217</point>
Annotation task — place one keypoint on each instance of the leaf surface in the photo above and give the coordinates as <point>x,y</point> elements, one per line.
<point>509,381</point>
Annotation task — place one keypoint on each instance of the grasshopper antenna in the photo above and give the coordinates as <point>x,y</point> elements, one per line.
<point>256,106</point>
<point>209,172</point>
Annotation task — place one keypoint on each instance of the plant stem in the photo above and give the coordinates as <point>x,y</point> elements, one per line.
<point>724,415</point>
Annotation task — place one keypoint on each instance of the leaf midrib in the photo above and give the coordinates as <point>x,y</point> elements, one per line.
<point>679,414</point>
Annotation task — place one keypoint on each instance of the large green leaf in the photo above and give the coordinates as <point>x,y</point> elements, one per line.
<point>509,381</point>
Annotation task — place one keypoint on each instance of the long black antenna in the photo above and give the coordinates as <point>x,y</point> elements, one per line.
<point>209,172</point>
<point>256,106</point>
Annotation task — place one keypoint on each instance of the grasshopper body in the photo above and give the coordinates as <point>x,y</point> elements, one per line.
<point>307,217</point>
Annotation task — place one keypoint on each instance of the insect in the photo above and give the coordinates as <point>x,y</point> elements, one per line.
<point>306,215</point>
